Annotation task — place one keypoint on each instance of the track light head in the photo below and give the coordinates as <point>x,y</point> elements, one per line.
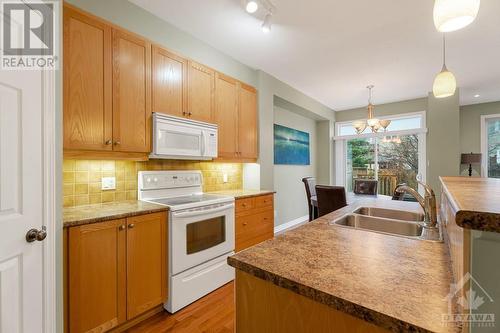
<point>266,25</point>
<point>251,6</point>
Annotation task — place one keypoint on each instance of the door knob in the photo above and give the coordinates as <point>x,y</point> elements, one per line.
<point>36,235</point>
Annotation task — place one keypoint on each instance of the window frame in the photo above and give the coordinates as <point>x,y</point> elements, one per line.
<point>341,145</point>
<point>484,143</point>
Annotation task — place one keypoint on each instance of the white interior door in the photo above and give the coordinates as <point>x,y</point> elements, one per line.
<point>22,279</point>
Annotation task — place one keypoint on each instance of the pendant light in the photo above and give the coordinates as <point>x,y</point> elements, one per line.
<point>451,15</point>
<point>445,83</point>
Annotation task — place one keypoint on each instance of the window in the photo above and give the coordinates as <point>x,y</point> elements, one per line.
<point>490,138</point>
<point>392,157</point>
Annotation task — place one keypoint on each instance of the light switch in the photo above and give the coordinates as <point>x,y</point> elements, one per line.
<point>224,177</point>
<point>108,183</point>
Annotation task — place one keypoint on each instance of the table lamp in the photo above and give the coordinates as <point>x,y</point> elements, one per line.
<point>472,158</point>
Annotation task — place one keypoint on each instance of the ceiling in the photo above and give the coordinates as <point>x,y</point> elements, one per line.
<point>332,49</point>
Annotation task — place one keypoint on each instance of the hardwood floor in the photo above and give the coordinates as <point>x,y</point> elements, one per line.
<point>213,313</point>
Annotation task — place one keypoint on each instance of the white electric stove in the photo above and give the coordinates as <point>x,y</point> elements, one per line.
<point>201,233</point>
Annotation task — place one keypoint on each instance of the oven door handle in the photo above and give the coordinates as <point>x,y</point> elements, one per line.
<point>203,212</point>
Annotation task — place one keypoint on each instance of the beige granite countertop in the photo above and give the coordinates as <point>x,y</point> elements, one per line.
<point>241,194</point>
<point>476,201</point>
<point>394,282</point>
<point>73,216</point>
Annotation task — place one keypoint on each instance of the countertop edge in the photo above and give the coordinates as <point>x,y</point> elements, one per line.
<point>337,303</point>
<point>92,220</point>
<point>473,220</point>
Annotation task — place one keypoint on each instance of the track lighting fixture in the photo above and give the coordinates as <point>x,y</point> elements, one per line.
<point>266,25</point>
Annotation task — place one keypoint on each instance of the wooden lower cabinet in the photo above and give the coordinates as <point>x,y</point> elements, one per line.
<point>146,263</point>
<point>254,220</point>
<point>116,271</point>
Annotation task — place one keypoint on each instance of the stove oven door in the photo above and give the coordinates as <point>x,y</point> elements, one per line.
<point>200,234</point>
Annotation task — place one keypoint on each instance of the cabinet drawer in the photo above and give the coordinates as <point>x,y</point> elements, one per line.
<point>243,205</point>
<point>264,201</point>
<point>254,229</point>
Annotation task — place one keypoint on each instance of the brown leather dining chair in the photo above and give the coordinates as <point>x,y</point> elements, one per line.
<point>330,198</point>
<point>365,186</point>
<point>310,184</point>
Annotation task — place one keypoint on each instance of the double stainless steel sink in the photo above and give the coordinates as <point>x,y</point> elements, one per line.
<point>388,221</point>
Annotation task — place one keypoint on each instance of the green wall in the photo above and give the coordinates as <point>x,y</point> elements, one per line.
<point>389,109</point>
<point>470,124</point>
<point>270,88</point>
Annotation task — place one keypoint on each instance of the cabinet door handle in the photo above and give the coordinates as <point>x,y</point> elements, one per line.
<point>131,225</point>
<point>245,223</point>
<point>190,114</point>
<point>108,142</point>
<point>117,143</point>
<point>122,227</point>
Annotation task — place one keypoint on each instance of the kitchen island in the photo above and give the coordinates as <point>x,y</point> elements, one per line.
<point>323,277</point>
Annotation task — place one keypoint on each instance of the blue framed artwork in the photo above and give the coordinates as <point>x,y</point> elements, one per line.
<point>290,146</point>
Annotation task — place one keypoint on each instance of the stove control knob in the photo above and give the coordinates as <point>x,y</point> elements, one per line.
<point>148,180</point>
<point>155,179</point>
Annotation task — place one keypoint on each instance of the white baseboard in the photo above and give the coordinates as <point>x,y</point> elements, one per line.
<point>290,224</point>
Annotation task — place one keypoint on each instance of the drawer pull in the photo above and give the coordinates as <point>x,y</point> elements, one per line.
<point>244,204</point>
<point>245,223</point>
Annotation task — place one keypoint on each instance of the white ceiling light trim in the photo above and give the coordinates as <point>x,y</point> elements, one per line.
<point>451,15</point>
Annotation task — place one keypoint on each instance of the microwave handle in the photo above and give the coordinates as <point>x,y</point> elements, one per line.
<point>202,212</point>
<point>203,143</point>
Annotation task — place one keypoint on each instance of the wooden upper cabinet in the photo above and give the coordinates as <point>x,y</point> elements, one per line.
<point>146,262</point>
<point>201,82</point>
<point>131,93</point>
<point>247,122</point>
<point>96,276</point>
<point>87,82</point>
<point>226,115</point>
<point>169,83</point>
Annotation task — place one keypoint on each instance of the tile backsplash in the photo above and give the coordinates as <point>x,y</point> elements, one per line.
<point>82,178</point>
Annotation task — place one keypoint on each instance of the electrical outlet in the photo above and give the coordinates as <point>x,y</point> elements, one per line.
<point>224,177</point>
<point>108,183</point>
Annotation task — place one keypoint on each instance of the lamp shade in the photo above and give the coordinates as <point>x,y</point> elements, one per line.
<point>472,158</point>
<point>451,15</point>
<point>445,84</point>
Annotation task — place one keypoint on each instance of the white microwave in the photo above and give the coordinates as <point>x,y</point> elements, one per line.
<point>180,138</point>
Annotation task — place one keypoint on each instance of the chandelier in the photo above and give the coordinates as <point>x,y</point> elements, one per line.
<point>372,122</point>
